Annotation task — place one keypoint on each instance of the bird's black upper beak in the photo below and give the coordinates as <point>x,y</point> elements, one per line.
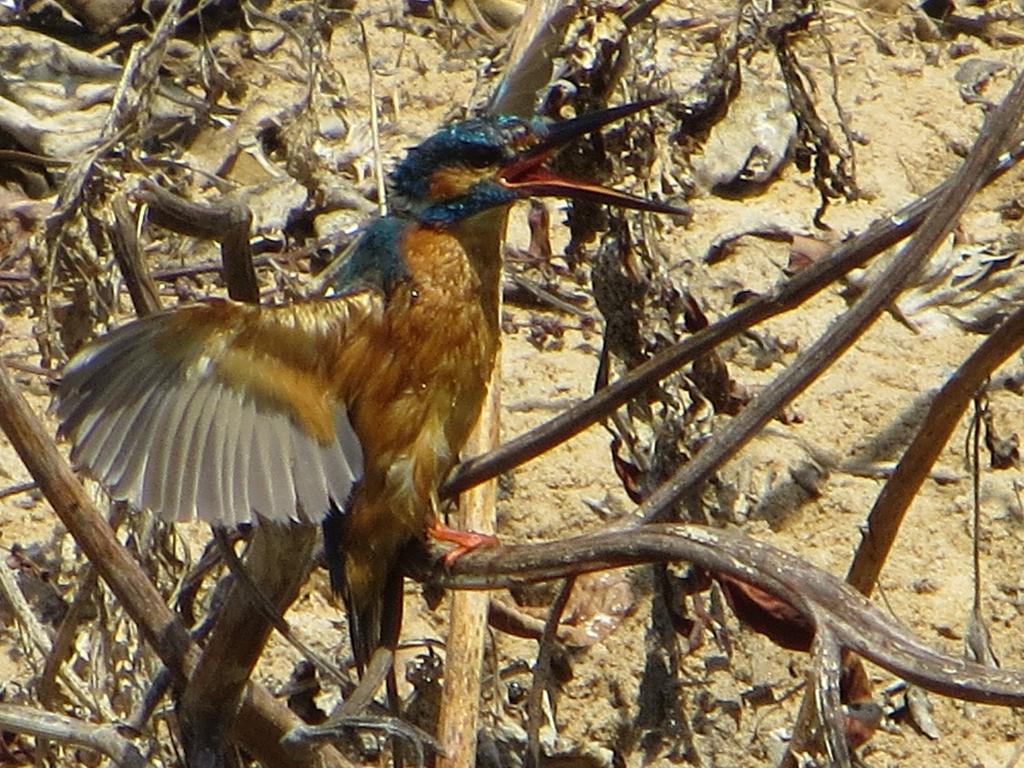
<point>527,172</point>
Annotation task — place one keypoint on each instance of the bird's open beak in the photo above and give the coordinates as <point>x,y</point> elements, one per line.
<point>528,175</point>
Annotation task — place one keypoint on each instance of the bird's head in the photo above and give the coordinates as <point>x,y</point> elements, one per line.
<point>489,162</point>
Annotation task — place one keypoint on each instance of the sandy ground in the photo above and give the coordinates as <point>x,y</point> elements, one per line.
<point>908,114</point>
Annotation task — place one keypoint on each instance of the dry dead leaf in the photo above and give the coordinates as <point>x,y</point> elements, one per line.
<point>598,604</point>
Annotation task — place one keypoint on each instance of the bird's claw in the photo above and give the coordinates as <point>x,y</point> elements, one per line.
<point>464,541</point>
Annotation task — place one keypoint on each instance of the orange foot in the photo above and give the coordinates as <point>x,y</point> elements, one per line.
<point>464,541</point>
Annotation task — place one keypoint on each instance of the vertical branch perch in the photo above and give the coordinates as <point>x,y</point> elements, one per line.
<point>460,715</point>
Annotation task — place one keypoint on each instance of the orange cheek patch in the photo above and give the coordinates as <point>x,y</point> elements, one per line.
<point>451,182</point>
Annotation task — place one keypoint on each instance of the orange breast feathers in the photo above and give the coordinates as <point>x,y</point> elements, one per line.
<point>436,349</point>
<point>222,410</point>
<point>435,353</point>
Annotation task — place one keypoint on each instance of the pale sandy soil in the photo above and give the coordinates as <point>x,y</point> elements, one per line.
<point>907,111</point>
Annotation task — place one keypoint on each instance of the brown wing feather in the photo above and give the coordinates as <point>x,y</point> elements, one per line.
<point>221,410</point>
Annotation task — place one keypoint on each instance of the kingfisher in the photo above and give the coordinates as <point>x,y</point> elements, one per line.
<point>346,410</point>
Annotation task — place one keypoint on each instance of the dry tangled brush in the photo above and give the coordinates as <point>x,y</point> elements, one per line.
<point>154,153</point>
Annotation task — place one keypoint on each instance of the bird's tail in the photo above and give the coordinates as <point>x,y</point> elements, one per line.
<point>369,581</point>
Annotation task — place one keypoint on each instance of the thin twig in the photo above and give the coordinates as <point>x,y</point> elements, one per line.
<point>63,641</point>
<point>975,435</point>
<point>827,668</point>
<point>101,738</point>
<point>378,165</point>
<point>17,156</point>
<point>14,490</point>
<point>41,642</point>
<point>391,725</point>
<point>542,674</point>
<point>273,615</point>
<point>351,712</point>
<point>546,297</point>
<point>226,221</point>
<point>125,243</point>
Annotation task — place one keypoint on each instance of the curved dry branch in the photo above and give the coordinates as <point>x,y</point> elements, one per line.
<point>821,598</point>
<point>828,662</point>
<point>70,730</point>
<point>882,234</point>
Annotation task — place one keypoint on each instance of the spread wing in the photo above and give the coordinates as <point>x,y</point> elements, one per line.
<point>221,410</point>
